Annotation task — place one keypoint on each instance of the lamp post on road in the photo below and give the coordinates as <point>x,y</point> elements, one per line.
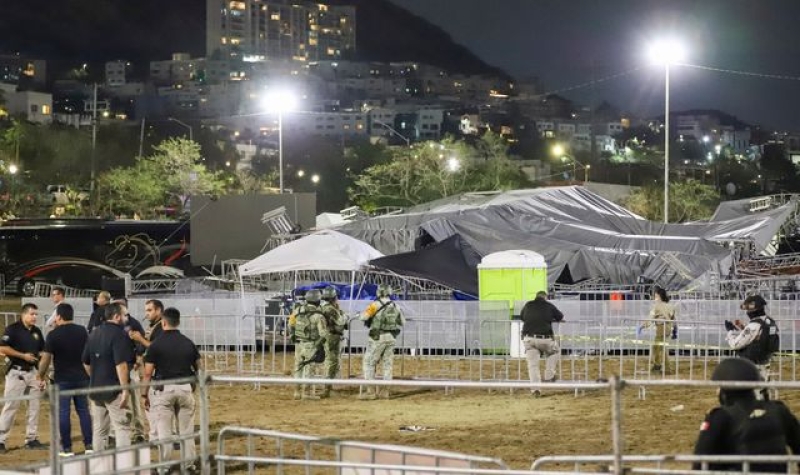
<point>191,135</point>
<point>280,102</point>
<point>394,131</point>
<point>559,151</point>
<point>666,53</point>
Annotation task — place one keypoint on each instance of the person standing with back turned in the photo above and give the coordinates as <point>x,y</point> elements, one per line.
<point>538,338</point>
<point>64,346</point>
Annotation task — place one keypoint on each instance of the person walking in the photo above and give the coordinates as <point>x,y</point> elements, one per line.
<point>744,425</point>
<point>22,343</point>
<point>57,296</point>
<point>662,318</point>
<point>105,359</point>
<point>172,356</point>
<point>385,321</point>
<point>336,321</point>
<point>538,338</point>
<point>64,347</point>
<point>309,332</point>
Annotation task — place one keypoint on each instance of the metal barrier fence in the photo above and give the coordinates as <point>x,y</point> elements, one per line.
<point>380,459</point>
<point>357,457</point>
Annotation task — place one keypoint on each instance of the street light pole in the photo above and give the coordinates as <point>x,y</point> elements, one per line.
<point>280,151</point>
<point>392,130</point>
<point>191,135</point>
<point>666,144</point>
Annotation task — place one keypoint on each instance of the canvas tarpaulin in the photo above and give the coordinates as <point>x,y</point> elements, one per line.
<point>577,230</point>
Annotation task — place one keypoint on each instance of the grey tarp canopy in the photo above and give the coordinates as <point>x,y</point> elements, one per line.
<point>575,230</point>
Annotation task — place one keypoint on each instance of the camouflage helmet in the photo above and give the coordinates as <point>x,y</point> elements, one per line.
<point>299,294</point>
<point>329,293</point>
<point>384,291</point>
<point>313,296</point>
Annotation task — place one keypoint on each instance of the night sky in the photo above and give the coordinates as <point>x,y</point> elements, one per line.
<point>570,42</point>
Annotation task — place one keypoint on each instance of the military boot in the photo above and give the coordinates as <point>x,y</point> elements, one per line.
<point>385,393</point>
<point>367,395</point>
<point>326,393</point>
<point>297,395</point>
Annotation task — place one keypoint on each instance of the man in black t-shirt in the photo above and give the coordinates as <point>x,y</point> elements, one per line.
<point>64,346</point>
<point>131,326</point>
<point>171,356</point>
<point>99,313</point>
<point>105,358</point>
<point>153,312</point>
<point>21,344</point>
<point>538,338</point>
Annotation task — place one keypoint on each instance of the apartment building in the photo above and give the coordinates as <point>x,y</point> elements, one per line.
<point>256,30</point>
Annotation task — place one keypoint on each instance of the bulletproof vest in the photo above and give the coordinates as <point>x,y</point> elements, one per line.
<point>305,329</point>
<point>768,342</point>
<point>334,318</point>
<point>387,319</point>
<point>757,430</point>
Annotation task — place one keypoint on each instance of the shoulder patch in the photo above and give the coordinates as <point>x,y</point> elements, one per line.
<point>705,426</point>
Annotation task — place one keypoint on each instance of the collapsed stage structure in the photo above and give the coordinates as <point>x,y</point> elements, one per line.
<point>583,237</point>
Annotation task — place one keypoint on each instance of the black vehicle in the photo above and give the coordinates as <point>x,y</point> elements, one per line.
<point>81,252</point>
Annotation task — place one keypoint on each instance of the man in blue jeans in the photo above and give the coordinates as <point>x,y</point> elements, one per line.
<point>64,345</point>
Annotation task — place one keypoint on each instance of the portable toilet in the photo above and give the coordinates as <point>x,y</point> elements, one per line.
<point>513,277</point>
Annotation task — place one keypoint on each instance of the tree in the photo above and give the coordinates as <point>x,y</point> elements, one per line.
<point>429,171</point>
<point>688,201</point>
<point>172,175</point>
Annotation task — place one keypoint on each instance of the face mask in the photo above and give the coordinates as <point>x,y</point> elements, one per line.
<point>755,313</point>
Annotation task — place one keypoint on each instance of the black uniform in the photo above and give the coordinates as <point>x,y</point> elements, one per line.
<point>749,427</point>
<point>97,318</point>
<point>23,340</point>
<point>538,317</point>
<point>108,346</point>
<point>173,355</point>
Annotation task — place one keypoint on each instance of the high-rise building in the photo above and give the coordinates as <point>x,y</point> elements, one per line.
<point>279,29</point>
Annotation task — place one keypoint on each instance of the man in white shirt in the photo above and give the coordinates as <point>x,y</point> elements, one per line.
<point>57,296</point>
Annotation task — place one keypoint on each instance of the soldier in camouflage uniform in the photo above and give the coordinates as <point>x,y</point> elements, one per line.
<point>384,320</point>
<point>336,321</point>
<point>308,331</point>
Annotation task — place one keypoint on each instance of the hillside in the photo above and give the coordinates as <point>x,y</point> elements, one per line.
<point>143,30</point>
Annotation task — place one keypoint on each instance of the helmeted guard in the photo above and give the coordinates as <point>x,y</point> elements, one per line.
<point>308,330</point>
<point>336,321</point>
<point>385,320</point>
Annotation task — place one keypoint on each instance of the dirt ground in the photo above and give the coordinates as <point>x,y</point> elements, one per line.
<point>511,426</point>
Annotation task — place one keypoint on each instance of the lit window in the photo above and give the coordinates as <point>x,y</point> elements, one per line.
<point>275,16</point>
<point>237,5</point>
<point>46,109</point>
<point>346,126</point>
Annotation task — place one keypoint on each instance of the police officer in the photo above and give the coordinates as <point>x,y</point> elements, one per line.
<point>22,343</point>
<point>336,321</point>
<point>308,331</point>
<point>105,358</point>
<point>172,356</point>
<point>757,340</point>
<point>744,425</point>
<point>385,320</point>
<point>538,316</point>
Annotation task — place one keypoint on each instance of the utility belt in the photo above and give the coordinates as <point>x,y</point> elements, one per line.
<point>376,334</point>
<point>541,337</point>
<point>17,367</point>
<point>159,388</point>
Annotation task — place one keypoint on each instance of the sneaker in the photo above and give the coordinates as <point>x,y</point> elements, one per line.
<point>536,393</point>
<point>66,453</point>
<point>551,380</point>
<point>35,445</point>
<point>88,449</point>
<point>3,449</point>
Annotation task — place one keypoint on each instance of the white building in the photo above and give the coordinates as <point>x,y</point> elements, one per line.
<point>117,73</point>
<point>33,106</point>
